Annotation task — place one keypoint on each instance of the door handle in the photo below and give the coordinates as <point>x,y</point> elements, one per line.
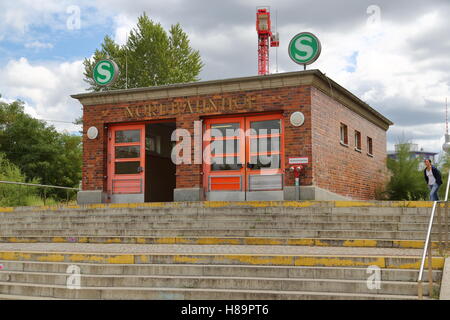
<point>140,169</point>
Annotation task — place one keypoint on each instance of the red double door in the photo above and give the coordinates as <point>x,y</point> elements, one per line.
<point>242,155</point>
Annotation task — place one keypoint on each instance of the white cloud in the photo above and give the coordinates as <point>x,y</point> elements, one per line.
<point>123,26</point>
<point>389,77</point>
<point>38,45</point>
<point>45,88</point>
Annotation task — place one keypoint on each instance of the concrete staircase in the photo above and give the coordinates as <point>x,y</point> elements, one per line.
<point>249,250</point>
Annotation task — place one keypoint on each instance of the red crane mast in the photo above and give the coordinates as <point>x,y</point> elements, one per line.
<point>264,29</point>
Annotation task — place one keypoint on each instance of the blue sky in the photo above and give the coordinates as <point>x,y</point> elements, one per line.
<point>393,55</point>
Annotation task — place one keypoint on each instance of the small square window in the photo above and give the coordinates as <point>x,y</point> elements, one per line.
<point>344,135</point>
<point>357,140</point>
<point>369,146</point>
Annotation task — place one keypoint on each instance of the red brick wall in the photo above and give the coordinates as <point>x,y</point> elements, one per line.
<point>286,100</point>
<point>338,168</point>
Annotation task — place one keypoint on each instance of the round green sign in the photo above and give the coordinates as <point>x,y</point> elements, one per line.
<point>105,72</point>
<point>304,48</point>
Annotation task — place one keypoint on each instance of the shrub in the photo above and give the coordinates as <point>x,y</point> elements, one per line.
<point>14,195</point>
<point>407,182</point>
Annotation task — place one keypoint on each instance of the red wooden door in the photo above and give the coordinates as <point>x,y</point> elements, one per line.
<point>224,155</point>
<point>126,159</point>
<point>264,153</point>
<point>245,154</point>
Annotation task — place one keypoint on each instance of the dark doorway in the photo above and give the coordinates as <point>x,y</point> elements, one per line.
<point>160,176</point>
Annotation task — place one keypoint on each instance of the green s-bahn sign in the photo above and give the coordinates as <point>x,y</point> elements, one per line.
<point>105,72</point>
<point>304,48</point>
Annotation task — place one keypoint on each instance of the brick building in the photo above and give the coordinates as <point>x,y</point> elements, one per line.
<point>238,139</point>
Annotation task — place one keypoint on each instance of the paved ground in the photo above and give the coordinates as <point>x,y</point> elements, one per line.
<point>218,249</point>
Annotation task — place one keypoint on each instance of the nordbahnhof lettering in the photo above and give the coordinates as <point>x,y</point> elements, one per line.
<point>190,106</point>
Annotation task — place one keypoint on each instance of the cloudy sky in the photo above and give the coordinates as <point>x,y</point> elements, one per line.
<point>392,54</point>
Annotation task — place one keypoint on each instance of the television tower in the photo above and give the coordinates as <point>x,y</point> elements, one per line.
<point>446,145</point>
<point>265,35</point>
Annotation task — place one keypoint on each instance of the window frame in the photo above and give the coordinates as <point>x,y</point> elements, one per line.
<point>358,142</point>
<point>369,146</point>
<point>343,135</point>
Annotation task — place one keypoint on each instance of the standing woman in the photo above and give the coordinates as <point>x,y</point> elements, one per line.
<point>433,179</point>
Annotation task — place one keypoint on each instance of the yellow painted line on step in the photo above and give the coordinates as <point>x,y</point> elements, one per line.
<point>298,204</point>
<point>262,241</point>
<point>339,261</point>
<point>188,259</point>
<point>114,240</point>
<point>301,242</point>
<point>321,242</point>
<point>59,240</point>
<point>340,204</point>
<point>72,206</point>
<point>13,255</point>
<point>396,263</point>
<point>216,241</point>
<point>50,258</point>
<point>181,240</point>
<point>257,259</point>
<point>215,204</point>
<point>111,259</point>
<point>142,259</point>
<point>360,243</point>
<point>168,240</point>
<point>97,206</point>
<point>69,257</point>
<point>138,205</point>
<point>21,240</point>
<point>408,244</point>
<point>235,204</point>
<point>141,240</point>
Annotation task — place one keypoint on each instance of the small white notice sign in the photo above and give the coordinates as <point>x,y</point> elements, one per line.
<point>298,160</point>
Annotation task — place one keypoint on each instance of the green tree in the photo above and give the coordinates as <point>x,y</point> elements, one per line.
<point>14,195</point>
<point>151,57</point>
<point>406,182</point>
<point>38,150</point>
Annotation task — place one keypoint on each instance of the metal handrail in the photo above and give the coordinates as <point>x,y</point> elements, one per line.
<point>42,186</point>
<point>38,185</point>
<point>427,247</point>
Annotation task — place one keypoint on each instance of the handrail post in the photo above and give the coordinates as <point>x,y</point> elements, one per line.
<point>446,225</point>
<point>439,215</point>
<point>420,290</point>
<point>430,271</point>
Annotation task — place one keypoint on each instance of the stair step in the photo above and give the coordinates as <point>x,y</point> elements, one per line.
<point>114,293</point>
<point>334,242</point>
<point>208,282</point>
<point>225,232</point>
<point>349,273</point>
<point>324,260</point>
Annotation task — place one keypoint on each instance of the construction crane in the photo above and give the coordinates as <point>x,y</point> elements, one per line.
<point>264,29</point>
